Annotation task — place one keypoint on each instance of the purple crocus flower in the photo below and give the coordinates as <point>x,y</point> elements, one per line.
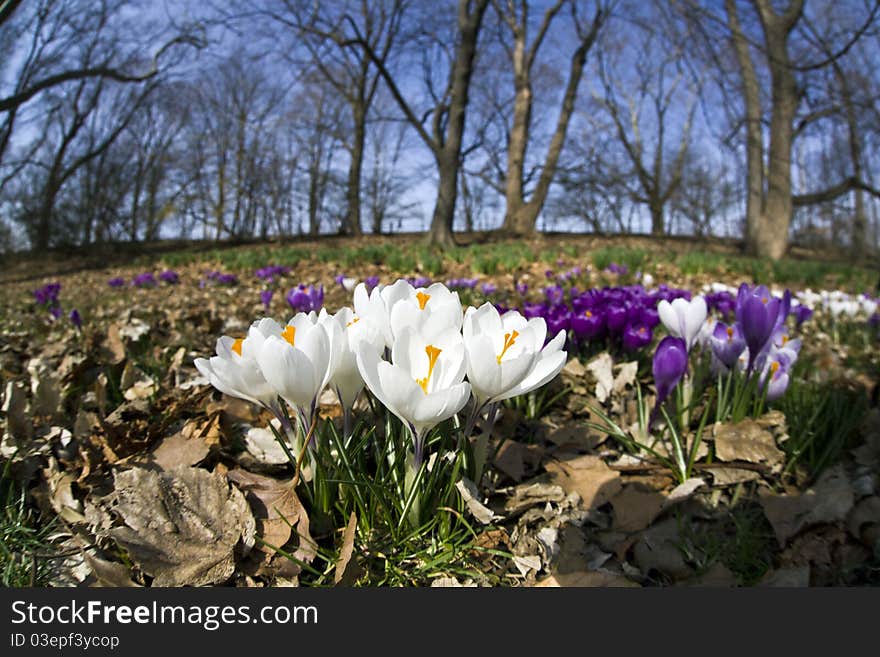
<point>670,364</point>
<point>116,281</point>
<point>775,375</point>
<point>462,283</point>
<point>266,298</point>
<point>170,277</point>
<point>422,281</point>
<point>306,299</point>
<point>554,295</point>
<point>488,288</point>
<point>727,343</point>
<point>756,312</point>
<point>48,294</point>
<point>522,289</point>
<point>557,320</point>
<point>144,280</point>
<point>75,319</point>
<point>371,282</point>
<point>588,325</point>
<point>270,272</point>
<point>55,311</point>
<point>615,318</point>
<point>648,316</point>
<point>635,337</point>
<point>802,313</point>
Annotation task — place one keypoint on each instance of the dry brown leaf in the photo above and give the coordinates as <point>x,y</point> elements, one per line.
<point>588,476</point>
<point>109,573</point>
<point>658,548</point>
<point>576,436</point>
<point>865,517</point>
<point>531,494</point>
<point>717,576</point>
<point>747,441</point>
<point>261,443</point>
<point>277,510</point>
<point>724,476</point>
<point>18,427</point>
<point>636,507</point>
<point>515,459</point>
<point>471,496</point>
<point>114,345</point>
<point>191,444</point>
<point>626,376</point>
<point>600,368</point>
<point>787,577</point>
<point>830,500</point>
<point>182,525</point>
<point>342,573</point>
<point>586,578</point>
<point>683,491</point>
<point>574,369</point>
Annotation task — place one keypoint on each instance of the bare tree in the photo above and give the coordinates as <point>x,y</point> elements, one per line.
<point>445,135</point>
<point>772,47</point>
<point>67,41</point>
<point>521,213</point>
<point>326,31</point>
<point>655,94</point>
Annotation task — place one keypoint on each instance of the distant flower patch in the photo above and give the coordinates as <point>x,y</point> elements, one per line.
<point>144,280</point>
<point>170,277</point>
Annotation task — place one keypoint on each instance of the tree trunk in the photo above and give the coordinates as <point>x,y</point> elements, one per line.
<point>448,146</point>
<point>771,234</point>
<point>754,136</point>
<point>521,216</point>
<point>441,233</point>
<point>859,234</point>
<point>657,224</point>
<point>516,220</point>
<point>352,224</point>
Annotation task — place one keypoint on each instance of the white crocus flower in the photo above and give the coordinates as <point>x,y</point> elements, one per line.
<point>435,305</point>
<point>346,379</point>
<point>370,308</point>
<point>299,362</point>
<point>423,385</point>
<point>235,371</point>
<point>683,318</point>
<point>506,355</point>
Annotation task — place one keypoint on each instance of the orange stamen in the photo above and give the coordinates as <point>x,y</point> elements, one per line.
<point>423,299</point>
<point>774,367</point>
<point>509,339</point>
<point>236,346</point>
<point>729,333</point>
<point>354,321</point>
<point>433,352</point>
<point>289,334</point>
<point>587,313</point>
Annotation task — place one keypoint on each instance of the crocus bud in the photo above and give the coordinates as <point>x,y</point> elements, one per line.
<point>670,364</point>
<point>756,312</point>
<point>727,343</point>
